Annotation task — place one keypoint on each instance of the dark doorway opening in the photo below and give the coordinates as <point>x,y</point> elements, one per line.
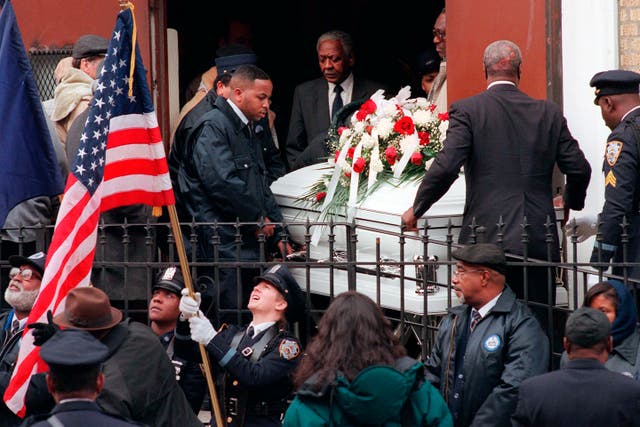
<point>387,39</point>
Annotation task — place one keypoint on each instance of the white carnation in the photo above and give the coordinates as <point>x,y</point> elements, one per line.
<point>384,127</point>
<point>422,117</point>
<point>376,165</point>
<point>367,140</point>
<point>422,103</point>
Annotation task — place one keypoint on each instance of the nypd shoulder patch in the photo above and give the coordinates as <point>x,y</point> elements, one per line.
<point>289,349</point>
<point>614,148</point>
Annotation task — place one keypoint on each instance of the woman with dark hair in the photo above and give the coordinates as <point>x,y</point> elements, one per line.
<point>614,299</point>
<point>356,372</point>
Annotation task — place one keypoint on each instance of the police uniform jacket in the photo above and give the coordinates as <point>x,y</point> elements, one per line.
<point>584,393</point>
<point>506,347</point>
<point>258,390</point>
<point>621,168</point>
<point>509,144</point>
<point>79,413</point>
<point>184,135</point>
<point>139,384</point>
<point>224,179</point>
<point>9,348</point>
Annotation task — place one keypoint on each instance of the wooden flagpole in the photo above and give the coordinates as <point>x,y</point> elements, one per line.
<point>184,266</point>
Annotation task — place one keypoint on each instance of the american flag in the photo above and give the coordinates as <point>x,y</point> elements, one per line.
<point>120,161</point>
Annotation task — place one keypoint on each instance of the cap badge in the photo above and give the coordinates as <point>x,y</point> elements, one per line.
<point>274,268</point>
<point>37,255</point>
<point>169,273</point>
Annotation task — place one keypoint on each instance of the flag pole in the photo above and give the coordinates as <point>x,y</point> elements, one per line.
<point>186,274</point>
<point>182,255</point>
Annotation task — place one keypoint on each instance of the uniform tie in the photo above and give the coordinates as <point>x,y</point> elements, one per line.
<point>15,326</point>
<point>337,101</point>
<point>475,318</point>
<point>250,332</point>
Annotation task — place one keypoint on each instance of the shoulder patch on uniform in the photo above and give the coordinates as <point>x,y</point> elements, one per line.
<point>614,148</point>
<point>289,349</point>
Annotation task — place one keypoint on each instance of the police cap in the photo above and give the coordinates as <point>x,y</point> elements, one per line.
<point>485,254</point>
<point>90,45</point>
<point>280,277</point>
<point>587,326</point>
<point>614,82</point>
<point>229,63</point>
<point>36,261</point>
<point>171,280</point>
<point>73,347</point>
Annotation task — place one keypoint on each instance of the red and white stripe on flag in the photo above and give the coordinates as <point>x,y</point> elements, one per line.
<point>135,172</point>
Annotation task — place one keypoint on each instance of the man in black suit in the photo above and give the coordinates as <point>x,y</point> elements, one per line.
<point>315,102</point>
<point>583,393</point>
<point>509,144</point>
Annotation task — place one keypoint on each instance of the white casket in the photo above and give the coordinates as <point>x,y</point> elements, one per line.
<point>378,219</point>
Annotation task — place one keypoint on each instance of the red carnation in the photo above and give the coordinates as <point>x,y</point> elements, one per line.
<point>347,174</point>
<point>368,129</point>
<point>335,156</point>
<point>350,152</point>
<point>424,138</point>
<point>391,154</point>
<point>432,107</point>
<point>359,164</point>
<point>320,196</point>
<point>416,158</point>
<point>443,116</point>
<point>368,107</point>
<point>404,126</point>
<point>342,129</point>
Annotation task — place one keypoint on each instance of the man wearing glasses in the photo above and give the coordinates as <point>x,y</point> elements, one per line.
<point>26,275</point>
<point>438,93</point>
<point>488,345</point>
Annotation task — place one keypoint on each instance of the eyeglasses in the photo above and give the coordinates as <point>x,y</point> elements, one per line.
<point>439,34</point>
<point>26,274</point>
<point>460,273</point>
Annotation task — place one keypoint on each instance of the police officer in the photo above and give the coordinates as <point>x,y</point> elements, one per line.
<point>75,380</point>
<point>174,335</point>
<point>617,96</point>
<point>258,359</point>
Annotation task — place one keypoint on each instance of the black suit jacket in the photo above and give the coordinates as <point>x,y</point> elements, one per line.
<point>310,119</point>
<point>508,144</point>
<point>584,393</point>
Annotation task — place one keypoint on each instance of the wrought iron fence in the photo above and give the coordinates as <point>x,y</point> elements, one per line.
<point>407,274</point>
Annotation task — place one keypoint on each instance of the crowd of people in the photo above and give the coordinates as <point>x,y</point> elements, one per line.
<point>490,362</point>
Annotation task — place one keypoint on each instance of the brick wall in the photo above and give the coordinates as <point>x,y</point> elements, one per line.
<point>629,34</point>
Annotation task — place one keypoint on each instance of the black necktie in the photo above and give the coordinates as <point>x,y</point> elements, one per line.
<point>337,101</point>
<point>250,332</point>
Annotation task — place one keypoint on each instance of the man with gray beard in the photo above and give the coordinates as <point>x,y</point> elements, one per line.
<point>26,276</point>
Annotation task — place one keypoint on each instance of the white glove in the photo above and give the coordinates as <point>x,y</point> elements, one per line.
<point>585,226</point>
<point>189,306</point>
<point>201,329</point>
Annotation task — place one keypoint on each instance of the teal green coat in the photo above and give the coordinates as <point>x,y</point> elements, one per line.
<point>379,395</point>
